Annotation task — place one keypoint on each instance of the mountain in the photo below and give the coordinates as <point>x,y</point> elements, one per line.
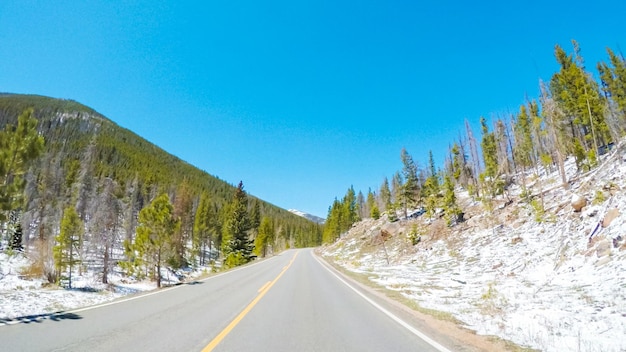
<point>108,173</point>
<point>313,218</point>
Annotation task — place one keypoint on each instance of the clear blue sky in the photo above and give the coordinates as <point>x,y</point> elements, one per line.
<point>298,99</point>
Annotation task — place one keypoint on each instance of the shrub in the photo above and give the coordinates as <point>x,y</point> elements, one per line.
<point>599,197</point>
<point>235,259</point>
<point>415,235</point>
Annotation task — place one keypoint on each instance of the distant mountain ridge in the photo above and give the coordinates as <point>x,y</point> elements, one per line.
<point>313,218</point>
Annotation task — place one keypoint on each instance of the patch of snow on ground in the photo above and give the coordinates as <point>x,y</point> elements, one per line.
<point>22,298</point>
<point>543,285</point>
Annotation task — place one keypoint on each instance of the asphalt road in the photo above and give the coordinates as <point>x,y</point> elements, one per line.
<point>291,302</point>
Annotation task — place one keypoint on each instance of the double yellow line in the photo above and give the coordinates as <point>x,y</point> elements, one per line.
<point>262,291</point>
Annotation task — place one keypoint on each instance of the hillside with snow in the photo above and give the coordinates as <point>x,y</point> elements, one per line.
<point>551,280</point>
<point>315,219</point>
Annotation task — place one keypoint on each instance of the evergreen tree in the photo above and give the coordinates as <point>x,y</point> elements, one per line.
<point>341,215</point>
<point>236,243</point>
<point>411,187</point>
<point>524,143</point>
<point>490,158</point>
<point>332,227</point>
<point>19,145</point>
<point>374,212</point>
<point>265,238</point>
<point>16,239</point>
<point>613,80</point>
<point>430,191</point>
<point>397,190</point>
<point>579,97</point>
<point>183,210</point>
<point>457,162</point>
<point>255,216</point>
<point>349,210</point>
<point>450,205</point>
<point>502,143</point>
<point>524,146</point>
<point>68,243</point>
<point>157,225</point>
<point>202,229</point>
<point>361,206</point>
<point>385,195</point>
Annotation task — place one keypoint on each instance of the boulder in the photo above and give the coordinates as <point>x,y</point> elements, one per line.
<point>603,248</point>
<point>609,217</point>
<point>578,202</point>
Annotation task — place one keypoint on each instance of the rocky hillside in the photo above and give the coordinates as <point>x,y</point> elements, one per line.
<point>550,278</point>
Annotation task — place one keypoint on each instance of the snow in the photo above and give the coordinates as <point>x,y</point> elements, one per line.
<point>543,285</point>
<point>23,298</point>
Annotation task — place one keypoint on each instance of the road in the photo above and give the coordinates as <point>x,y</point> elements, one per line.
<point>291,302</point>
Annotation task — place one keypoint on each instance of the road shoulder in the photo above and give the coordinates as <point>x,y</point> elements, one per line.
<point>440,326</point>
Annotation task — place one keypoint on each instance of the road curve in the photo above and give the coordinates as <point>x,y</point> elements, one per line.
<point>291,302</point>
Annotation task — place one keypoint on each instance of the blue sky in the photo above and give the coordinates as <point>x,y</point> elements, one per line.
<point>298,99</point>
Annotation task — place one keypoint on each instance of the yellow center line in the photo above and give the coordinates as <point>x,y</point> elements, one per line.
<point>262,291</point>
<point>264,286</point>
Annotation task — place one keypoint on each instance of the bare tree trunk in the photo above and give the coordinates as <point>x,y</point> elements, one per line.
<point>105,265</point>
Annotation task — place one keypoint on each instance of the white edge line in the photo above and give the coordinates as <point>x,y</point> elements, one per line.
<point>404,324</point>
<point>139,295</point>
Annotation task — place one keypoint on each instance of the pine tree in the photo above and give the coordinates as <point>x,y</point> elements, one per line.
<point>411,186</point>
<point>157,225</point>
<point>183,210</point>
<point>450,205</point>
<point>332,227</point>
<point>385,195</point>
<point>397,190</point>
<point>349,210</point>
<point>236,244</point>
<point>614,86</point>
<point>19,145</point>
<point>524,143</point>
<point>374,212</point>
<point>490,157</point>
<point>430,191</point>
<point>255,216</point>
<point>265,238</point>
<point>579,97</point>
<point>202,229</point>
<point>456,162</point>
<point>503,142</point>
<point>16,239</point>
<point>361,206</point>
<point>68,243</point>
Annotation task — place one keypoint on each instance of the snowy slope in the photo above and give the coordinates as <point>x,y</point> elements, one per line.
<point>544,285</point>
<point>313,218</point>
<point>26,298</point>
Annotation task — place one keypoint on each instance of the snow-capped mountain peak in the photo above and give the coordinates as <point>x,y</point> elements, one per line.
<point>313,218</point>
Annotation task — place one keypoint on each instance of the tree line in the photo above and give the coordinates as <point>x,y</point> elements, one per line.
<point>575,116</point>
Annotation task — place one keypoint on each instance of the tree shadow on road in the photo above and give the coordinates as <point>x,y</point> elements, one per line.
<point>188,283</point>
<point>38,318</point>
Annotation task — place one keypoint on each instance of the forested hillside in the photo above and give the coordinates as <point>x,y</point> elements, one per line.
<point>576,115</point>
<point>107,175</point>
